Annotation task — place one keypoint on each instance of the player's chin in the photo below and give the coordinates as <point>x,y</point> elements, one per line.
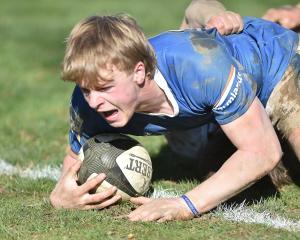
<point>121,120</point>
<point>118,123</point>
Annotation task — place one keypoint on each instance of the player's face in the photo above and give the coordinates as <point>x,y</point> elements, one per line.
<point>117,99</point>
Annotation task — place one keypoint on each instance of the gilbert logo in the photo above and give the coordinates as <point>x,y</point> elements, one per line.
<point>231,91</point>
<point>139,165</point>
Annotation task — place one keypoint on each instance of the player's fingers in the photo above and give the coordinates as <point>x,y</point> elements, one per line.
<point>166,218</point>
<point>228,22</point>
<point>140,200</point>
<point>150,217</point>
<point>92,183</point>
<point>237,21</point>
<point>109,202</point>
<point>102,196</point>
<point>233,22</point>
<point>137,215</point>
<point>104,204</point>
<point>216,22</point>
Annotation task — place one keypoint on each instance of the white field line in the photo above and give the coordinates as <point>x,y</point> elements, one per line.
<point>243,213</point>
<point>237,213</point>
<point>49,172</point>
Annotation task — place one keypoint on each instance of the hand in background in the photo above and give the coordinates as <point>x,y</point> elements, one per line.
<point>226,23</point>
<point>210,14</point>
<point>287,16</point>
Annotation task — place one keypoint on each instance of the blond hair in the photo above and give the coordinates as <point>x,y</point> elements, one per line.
<point>99,42</point>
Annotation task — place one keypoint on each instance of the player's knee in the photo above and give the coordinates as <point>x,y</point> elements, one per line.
<point>280,175</point>
<point>275,157</point>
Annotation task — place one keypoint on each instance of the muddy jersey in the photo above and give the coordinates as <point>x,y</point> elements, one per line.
<point>205,76</point>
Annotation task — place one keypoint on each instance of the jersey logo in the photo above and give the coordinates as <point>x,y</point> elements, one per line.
<point>230,91</point>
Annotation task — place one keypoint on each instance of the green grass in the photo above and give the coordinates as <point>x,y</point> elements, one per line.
<point>26,214</point>
<point>34,124</point>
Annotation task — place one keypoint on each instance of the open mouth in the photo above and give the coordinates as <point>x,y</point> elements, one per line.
<point>109,115</point>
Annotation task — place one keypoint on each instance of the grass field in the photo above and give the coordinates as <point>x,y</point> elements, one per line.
<point>34,125</point>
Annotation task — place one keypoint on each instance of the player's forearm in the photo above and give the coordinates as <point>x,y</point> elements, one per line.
<point>240,171</point>
<point>70,159</point>
<point>258,152</point>
<point>199,11</point>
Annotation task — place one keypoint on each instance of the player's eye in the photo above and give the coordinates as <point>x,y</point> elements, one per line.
<point>104,89</point>
<point>85,91</point>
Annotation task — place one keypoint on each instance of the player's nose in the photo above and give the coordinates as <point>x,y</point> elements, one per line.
<point>95,99</point>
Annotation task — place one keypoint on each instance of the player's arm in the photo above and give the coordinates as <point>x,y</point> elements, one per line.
<point>287,16</point>
<point>258,152</point>
<point>70,159</point>
<point>210,14</point>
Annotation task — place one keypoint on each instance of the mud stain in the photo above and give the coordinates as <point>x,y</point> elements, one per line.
<point>209,80</point>
<point>202,43</point>
<point>256,59</point>
<point>284,103</point>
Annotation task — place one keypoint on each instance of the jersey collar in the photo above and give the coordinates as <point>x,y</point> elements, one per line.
<point>162,83</point>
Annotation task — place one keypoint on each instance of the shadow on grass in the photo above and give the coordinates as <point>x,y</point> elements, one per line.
<point>170,166</point>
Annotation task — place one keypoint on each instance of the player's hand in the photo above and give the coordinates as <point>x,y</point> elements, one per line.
<point>68,194</point>
<point>287,16</point>
<point>160,210</point>
<point>226,23</point>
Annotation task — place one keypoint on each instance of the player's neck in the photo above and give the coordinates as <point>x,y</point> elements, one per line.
<point>154,100</point>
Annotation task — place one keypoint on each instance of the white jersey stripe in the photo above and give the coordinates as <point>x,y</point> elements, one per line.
<point>227,88</point>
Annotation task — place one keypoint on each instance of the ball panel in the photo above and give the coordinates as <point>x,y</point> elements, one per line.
<point>104,151</point>
<point>116,177</point>
<point>98,157</point>
<point>136,166</point>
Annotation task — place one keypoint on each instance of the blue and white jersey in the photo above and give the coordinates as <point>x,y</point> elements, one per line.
<point>205,76</point>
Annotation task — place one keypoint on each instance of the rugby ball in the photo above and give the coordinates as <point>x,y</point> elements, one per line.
<point>124,160</point>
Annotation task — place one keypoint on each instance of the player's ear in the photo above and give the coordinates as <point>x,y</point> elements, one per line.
<point>139,73</point>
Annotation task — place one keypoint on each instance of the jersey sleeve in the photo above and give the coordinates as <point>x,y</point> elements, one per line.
<point>238,93</point>
<point>217,83</point>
